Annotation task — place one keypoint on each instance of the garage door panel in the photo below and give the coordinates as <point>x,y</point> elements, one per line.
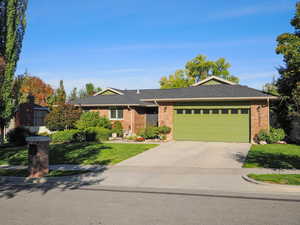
<point>212,127</point>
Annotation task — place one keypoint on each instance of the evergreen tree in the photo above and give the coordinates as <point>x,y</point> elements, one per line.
<point>288,45</point>
<point>60,94</point>
<point>73,95</point>
<point>12,29</point>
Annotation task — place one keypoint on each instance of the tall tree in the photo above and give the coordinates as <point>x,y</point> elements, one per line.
<point>36,87</point>
<point>177,80</point>
<point>89,90</point>
<point>197,69</point>
<point>73,95</point>
<point>288,45</point>
<point>271,87</point>
<point>60,94</point>
<point>12,29</point>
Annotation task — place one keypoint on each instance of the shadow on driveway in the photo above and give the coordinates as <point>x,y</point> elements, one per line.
<point>11,189</point>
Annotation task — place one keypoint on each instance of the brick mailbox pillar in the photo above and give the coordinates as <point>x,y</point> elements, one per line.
<point>38,156</point>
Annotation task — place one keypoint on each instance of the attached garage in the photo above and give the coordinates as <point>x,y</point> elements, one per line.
<point>213,109</point>
<point>212,122</point>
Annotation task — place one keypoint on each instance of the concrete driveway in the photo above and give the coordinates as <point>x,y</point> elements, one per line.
<point>189,166</point>
<point>192,154</point>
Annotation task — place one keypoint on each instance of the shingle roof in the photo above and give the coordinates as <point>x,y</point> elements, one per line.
<point>132,97</point>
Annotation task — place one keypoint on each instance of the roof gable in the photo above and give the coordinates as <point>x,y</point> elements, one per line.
<point>109,91</point>
<point>213,80</point>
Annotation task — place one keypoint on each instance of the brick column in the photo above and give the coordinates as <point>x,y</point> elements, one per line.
<point>165,117</point>
<point>38,156</point>
<point>259,118</point>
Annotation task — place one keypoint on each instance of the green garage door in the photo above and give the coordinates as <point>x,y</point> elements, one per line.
<point>209,124</point>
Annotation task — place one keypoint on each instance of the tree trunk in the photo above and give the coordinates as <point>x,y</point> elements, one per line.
<point>1,134</point>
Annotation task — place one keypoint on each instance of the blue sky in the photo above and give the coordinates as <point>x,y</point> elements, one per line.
<point>132,43</point>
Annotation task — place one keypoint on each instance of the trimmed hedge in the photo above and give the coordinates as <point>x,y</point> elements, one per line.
<point>92,119</point>
<point>68,136</point>
<point>154,132</point>
<point>90,134</point>
<point>149,133</point>
<point>97,134</point>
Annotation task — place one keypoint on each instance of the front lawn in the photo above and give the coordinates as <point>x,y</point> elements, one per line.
<point>292,179</point>
<point>52,173</point>
<point>78,153</point>
<point>279,156</point>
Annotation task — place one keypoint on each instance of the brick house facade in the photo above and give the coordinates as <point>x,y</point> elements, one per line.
<point>211,110</point>
<point>31,116</point>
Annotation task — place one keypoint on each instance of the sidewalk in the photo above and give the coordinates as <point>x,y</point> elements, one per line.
<point>93,168</point>
<point>185,178</point>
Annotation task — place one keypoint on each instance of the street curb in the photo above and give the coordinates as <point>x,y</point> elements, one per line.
<point>250,180</point>
<point>48,180</point>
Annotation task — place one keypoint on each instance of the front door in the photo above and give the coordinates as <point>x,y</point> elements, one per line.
<point>152,117</point>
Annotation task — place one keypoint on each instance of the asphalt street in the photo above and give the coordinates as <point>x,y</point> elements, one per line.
<point>119,206</point>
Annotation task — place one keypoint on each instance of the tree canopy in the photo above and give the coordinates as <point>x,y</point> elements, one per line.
<point>179,79</point>
<point>288,84</point>
<point>62,116</point>
<point>197,69</point>
<point>73,95</point>
<point>89,90</point>
<point>34,86</point>
<point>12,29</point>
<point>61,93</point>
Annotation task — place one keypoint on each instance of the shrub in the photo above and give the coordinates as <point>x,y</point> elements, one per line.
<point>276,135</point>
<point>92,119</point>
<point>62,117</point>
<point>271,137</point>
<point>149,132</point>
<point>17,136</point>
<point>164,130</point>
<point>263,135</point>
<point>131,138</point>
<point>68,136</point>
<point>117,128</point>
<point>105,122</point>
<point>97,134</point>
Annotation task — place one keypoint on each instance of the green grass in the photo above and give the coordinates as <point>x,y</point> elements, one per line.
<point>78,153</point>
<point>277,156</point>
<point>292,179</point>
<point>52,173</point>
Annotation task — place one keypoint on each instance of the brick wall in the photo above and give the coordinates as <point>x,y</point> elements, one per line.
<point>25,115</point>
<point>165,117</point>
<point>139,120</point>
<point>101,111</point>
<point>137,114</point>
<point>126,122</point>
<point>259,117</point>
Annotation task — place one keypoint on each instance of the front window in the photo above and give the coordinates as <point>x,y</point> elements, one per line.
<point>116,114</point>
<point>39,117</point>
